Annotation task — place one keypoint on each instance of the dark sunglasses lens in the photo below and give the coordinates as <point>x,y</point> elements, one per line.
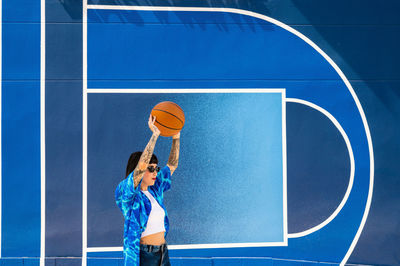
<point>152,169</point>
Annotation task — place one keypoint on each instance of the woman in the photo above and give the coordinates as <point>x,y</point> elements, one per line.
<point>140,198</point>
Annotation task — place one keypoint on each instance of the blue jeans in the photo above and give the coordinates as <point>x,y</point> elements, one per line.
<point>154,255</point>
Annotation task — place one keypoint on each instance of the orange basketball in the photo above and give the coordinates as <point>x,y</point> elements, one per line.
<point>169,118</point>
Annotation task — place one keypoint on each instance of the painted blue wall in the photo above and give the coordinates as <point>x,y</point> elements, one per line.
<point>360,36</point>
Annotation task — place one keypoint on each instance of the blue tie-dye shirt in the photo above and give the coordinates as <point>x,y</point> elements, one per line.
<point>136,207</point>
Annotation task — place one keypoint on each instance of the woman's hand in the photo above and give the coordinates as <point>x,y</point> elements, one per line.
<point>176,136</point>
<point>152,127</point>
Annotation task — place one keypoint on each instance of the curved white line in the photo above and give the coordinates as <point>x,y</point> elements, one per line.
<point>352,167</point>
<point>312,44</point>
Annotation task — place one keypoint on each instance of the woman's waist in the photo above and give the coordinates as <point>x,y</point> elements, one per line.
<point>153,239</point>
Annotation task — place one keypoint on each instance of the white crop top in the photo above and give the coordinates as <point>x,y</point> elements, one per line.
<point>155,223</point>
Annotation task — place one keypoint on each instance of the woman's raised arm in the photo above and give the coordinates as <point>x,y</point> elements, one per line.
<point>147,153</point>
<point>174,154</point>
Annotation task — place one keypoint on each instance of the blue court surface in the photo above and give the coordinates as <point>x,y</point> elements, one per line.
<point>288,154</point>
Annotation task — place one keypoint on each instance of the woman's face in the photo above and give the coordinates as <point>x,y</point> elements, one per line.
<point>149,178</point>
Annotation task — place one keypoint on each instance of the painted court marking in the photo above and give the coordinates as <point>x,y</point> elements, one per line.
<point>352,167</point>
<point>284,172</point>
<point>252,14</point>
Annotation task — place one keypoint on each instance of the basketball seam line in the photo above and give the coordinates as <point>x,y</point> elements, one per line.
<point>167,127</point>
<point>170,114</point>
<point>177,106</point>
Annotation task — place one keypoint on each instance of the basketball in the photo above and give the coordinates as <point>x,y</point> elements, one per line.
<point>169,118</point>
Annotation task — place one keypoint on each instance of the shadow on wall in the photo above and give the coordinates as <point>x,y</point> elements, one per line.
<point>74,8</point>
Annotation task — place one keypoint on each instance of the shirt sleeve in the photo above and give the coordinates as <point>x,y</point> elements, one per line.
<point>125,194</point>
<point>163,181</point>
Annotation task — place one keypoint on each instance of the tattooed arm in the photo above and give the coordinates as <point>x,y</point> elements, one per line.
<point>147,153</point>
<point>174,154</point>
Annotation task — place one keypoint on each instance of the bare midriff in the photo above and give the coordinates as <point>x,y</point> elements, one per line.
<point>156,239</point>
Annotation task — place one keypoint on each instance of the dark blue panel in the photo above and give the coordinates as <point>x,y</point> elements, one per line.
<point>187,18</point>
<point>375,46</point>
<point>21,11</point>
<point>63,168</point>
<point>318,167</point>
<point>295,11</point>
<point>382,99</point>
<point>21,51</point>
<point>68,262</point>
<point>50,262</point>
<point>64,11</point>
<point>64,51</point>
<point>64,129</point>
<point>20,168</point>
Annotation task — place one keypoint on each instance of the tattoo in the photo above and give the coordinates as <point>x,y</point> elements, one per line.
<point>174,154</point>
<point>144,160</point>
<point>138,176</point>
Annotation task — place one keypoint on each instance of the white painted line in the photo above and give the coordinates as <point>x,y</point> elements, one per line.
<point>161,8</point>
<point>84,134</point>
<point>312,44</point>
<point>228,245</point>
<point>352,167</point>
<point>214,90</point>
<point>284,168</point>
<point>200,246</point>
<point>42,132</point>
<point>105,249</point>
<point>1,117</point>
<point>208,90</point>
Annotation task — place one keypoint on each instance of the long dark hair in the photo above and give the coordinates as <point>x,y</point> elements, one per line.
<point>134,160</point>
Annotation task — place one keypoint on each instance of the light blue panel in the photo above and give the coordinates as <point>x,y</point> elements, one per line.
<point>68,261</point>
<point>50,262</point>
<point>384,57</point>
<point>229,155</point>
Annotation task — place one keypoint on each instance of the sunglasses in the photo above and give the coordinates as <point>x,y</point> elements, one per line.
<point>152,169</point>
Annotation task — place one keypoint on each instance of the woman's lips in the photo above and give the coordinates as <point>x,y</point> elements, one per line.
<point>154,178</point>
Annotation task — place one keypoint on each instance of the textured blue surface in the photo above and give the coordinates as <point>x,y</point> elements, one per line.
<point>214,183</point>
